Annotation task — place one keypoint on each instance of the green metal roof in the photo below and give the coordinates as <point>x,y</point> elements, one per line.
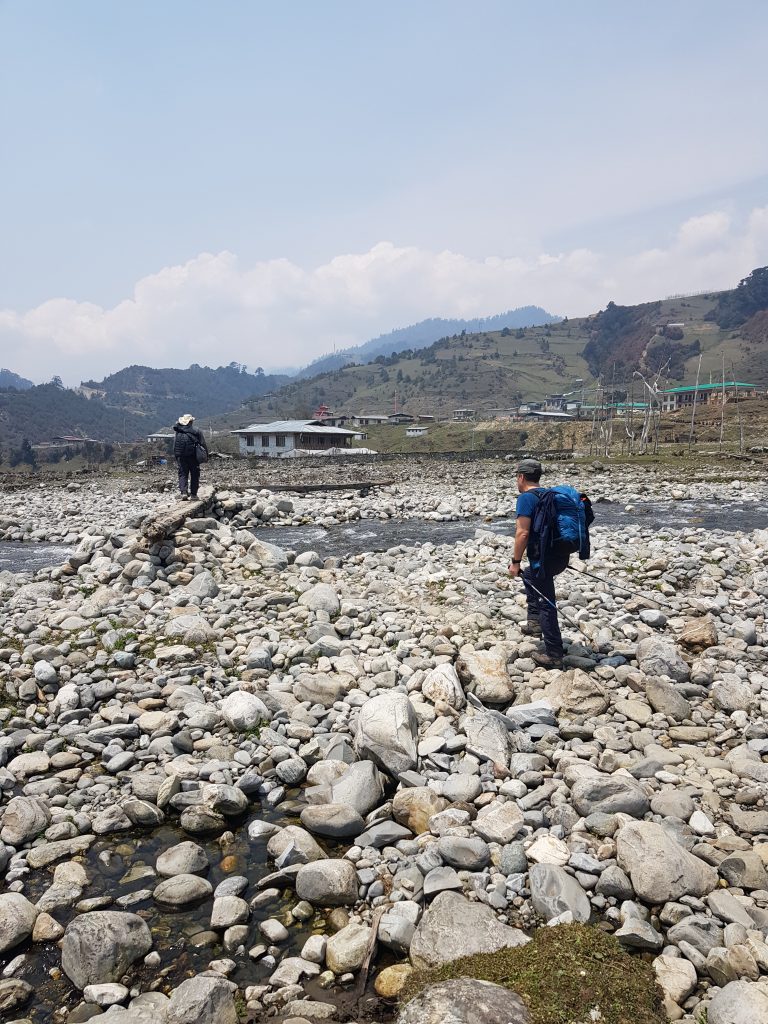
<point>708,387</point>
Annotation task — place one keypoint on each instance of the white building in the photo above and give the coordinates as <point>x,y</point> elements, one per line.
<point>370,419</point>
<point>275,439</point>
<point>415,431</point>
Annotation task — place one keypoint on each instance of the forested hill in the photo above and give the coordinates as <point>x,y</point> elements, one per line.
<point>129,404</point>
<point>426,332</point>
<point>9,379</point>
<point>41,412</point>
<point>164,394</point>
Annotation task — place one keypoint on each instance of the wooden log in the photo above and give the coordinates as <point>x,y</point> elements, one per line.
<point>168,520</point>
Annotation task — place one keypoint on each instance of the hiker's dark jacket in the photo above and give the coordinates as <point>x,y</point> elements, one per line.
<point>185,441</point>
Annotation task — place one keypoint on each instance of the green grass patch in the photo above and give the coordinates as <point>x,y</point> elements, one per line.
<point>562,974</point>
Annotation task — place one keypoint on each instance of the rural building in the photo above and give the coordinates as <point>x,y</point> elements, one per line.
<point>708,394</point>
<point>370,419</point>
<point>160,437</point>
<point>416,431</point>
<point>554,403</point>
<point>283,436</point>
<point>463,415</point>
<point>400,417</point>
<point>425,418</point>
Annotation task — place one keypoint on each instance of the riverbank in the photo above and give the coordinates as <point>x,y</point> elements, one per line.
<point>227,759</point>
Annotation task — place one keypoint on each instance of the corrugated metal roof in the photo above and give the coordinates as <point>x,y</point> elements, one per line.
<point>292,427</point>
<point>708,387</point>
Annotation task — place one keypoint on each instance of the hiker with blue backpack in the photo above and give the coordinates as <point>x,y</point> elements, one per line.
<point>552,524</point>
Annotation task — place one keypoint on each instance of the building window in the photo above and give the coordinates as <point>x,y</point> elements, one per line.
<point>250,440</point>
<point>265,440</point>
<point>280,440</point>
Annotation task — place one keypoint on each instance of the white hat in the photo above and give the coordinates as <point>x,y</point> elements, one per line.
<point>186,419</point>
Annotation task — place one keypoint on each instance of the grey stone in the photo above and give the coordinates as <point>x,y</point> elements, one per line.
<point>185,858</point>
<point>739,1002</point>
<point>345,951</point>
<point>17,919</point>
<point>452,927</point>
<point>243,711</point>
<point>328,883</point>
<point>611,794</point>
<point>361,787</point>
<point>554,892</point>
<point>202,1000</point>
<point>464,854</point>
<point>387,729</point>
<point>180,890</point>
<point>337,821</point>
<point>658,656</point>
<point>659,868</point>
<point>100,946</point>
<point>485,674</point>
<point>465,1001</point>
<point>25,818</point>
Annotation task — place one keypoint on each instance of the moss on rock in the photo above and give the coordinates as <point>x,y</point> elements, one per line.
<point>563,974</point>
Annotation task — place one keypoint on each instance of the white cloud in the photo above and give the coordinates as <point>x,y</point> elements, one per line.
<point>275,313</point>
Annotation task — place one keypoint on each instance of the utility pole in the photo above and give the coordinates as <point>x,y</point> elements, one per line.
<point>722,406</point>
<point>695,399</point>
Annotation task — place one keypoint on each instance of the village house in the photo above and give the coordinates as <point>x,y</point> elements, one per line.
<point>275,439</point>
<point>370,419</point>
<point>706,394</point>
<point>400,417</point>
<point>463,415</point>
<point>416,431</point>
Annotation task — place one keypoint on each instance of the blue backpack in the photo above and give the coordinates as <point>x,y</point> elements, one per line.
<point>562,520</point>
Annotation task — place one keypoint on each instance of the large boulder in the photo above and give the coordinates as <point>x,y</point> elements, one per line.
<point>465,1001</point>
<point>487,737</point>
<point>328,883</point>
<point>387,731</point>
<point>321,597</point>
<point>441,686</point>
<point>323,687</point>
<point>202,1000</point>
<point>609,794</point>
<point>243,711</point>
<point>657,656</point>
<point>415,806</point>
<point>25,818</point>
<point>485,674</point>
<point>664,699</point>
<point>361,787</point>
<point>347,948</point>
<point>577,694</point>
<point>294,845</point>
<point>554,892</point>
<point>269,556</point>
<point>452,927</point>
<point>739,1002</point>
<point>659,868</point>
<point>101,945</point>
<point>17,919</point>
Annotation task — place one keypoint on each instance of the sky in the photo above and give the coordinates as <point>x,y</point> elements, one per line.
<point>260,182</point>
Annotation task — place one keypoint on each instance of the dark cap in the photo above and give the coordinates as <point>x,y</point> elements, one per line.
<point>530,467</point>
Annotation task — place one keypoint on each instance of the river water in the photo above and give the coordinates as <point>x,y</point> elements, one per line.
<point>365,535</point>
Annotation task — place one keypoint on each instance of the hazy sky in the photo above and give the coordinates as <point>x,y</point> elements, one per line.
<point>213,181</point>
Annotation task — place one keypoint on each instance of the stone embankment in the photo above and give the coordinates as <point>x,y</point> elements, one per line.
<point>374,734</point>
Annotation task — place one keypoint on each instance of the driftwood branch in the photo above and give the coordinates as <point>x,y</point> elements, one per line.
<point>170,519</point>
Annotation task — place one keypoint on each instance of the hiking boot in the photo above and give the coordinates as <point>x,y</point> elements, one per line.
<point>531,628</point>
<point>545,660</point>
<point>183,497</point>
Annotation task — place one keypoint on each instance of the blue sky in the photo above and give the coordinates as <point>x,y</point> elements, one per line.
<point>260,181</point>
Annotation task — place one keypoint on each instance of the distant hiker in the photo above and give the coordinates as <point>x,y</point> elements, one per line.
<point>189,450</point>
<point>552,524</point>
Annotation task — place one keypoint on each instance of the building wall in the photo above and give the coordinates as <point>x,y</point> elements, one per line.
<point>257,448</point>
<point>272,449</point>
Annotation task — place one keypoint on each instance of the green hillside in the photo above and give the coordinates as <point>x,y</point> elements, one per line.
<point>492,371</point>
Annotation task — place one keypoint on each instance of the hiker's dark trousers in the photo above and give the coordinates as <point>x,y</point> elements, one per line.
<point>543,611</point>
<point>188,471</point>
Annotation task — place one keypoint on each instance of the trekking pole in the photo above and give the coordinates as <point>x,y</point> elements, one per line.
<point>618,586</point>
<point>568,619</point>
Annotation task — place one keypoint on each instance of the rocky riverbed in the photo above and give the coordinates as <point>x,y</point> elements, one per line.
<point>238,781</point>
